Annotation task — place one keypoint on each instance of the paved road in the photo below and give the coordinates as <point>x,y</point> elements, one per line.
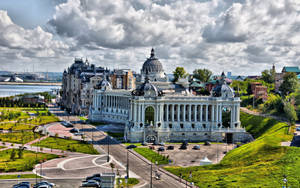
<point>119,152</point>
<point>61,183</point>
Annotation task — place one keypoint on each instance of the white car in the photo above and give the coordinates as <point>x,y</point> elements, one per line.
<point>298,129</point>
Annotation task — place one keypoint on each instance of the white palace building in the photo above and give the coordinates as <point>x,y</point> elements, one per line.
<point>160,111</point>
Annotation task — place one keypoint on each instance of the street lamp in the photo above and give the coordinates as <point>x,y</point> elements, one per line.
<point>108,148</point>
<point>285,181</point>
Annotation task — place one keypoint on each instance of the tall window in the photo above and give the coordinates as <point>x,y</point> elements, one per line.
<point>149,115</point>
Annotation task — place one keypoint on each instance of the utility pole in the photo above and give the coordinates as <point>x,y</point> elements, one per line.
<point>108,148</point>
<point>127,166</point>
<point>151,176</point>
<point>35,159</point>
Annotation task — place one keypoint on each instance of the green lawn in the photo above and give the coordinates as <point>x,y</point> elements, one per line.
<point>19,137</point>
<point>15,176</point>
<point>152,155</point>
<point>116,135</point>
<point>82,118</point>
<point>131,182</point>
<point>261,163</point>
<point>64,144</point>
<point>26,163</point>
<point>25,118</point>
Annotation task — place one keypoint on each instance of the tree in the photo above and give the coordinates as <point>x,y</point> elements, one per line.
<point>179,73</point>
<point>290,113</point>
<point>289,84</point>
<point>20,153</point>
<point>268,76</point>
<point>202,74</point>
<point>112,165</point>
<point>13,155</point>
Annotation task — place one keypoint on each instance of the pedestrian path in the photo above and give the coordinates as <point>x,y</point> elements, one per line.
<point>37,140</point>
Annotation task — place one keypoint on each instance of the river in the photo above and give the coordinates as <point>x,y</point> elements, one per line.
<point>11,90</point>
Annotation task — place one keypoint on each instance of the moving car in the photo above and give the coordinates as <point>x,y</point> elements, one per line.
<point>78,133</point>
<point>131,146</point>
<point>170,147</point>
<point>22,185</point>
<point>93,176</point>
<point>90,183</point>
<point>161,149</point>
<point>207,143</point>
<point>75,130</point>
<point>183,146</point>
<point>44,184</point>
<point>196,147</point>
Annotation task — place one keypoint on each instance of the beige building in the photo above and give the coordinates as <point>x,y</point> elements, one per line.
<point>122,79</point>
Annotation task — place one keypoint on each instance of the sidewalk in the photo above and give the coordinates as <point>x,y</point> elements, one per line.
<point>36,140</point>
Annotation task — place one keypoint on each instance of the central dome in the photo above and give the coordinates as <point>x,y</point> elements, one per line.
<point>152,64</point>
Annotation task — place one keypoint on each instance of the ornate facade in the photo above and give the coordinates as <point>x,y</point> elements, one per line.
<point>154,114</point>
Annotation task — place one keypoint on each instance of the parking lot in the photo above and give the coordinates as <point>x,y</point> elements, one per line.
<point>191,157</point>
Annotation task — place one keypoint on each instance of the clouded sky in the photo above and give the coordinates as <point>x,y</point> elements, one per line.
<point>241,36</point>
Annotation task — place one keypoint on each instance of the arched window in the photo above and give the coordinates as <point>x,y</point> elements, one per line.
<point>141,125</point>
<point>181,125</point>
<point>149,115</point>
<point>159,124</point>
<point>193,126</point>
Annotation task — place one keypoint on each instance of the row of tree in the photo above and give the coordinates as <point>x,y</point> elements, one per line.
<point>203,75</point>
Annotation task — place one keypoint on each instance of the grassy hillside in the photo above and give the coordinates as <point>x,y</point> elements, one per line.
<point>261,163</point>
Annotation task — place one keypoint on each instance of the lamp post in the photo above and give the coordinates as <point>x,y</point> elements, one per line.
<point>151,176</point>
<point>285,181</point>
<point>127,166</point>
<point>108,140</point>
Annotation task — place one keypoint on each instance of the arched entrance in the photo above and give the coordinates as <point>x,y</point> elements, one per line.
<point>149,115</point>
<point>151,139</point>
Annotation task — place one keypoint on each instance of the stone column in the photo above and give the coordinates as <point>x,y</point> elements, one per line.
<point>178,112</point>
<point>238,113</point>
<point>184,112</point>
<point>130,113</point>
<point>213,113</point>
<point>201,111</point>
<point>173,112</point>
<point>195,113</point>
<point>134,112</point>
<point>143,113</point>
<point>167,112</point>
<point>206,112</point>
<point>190,112</point>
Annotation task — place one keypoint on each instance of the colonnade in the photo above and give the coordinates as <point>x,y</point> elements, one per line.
<point>108,102</point>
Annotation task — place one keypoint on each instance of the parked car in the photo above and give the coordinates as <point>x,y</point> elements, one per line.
<point>93,176</point>
<point>161,144</point>
<point>90,183</point>
<point>44,184</point>
<point>207,143</point>
<point>131,146</point>
<point>98,179</point>
<point>75,130</point>
<point>298,129</point>
<point>196,147</point>
<point>161,149</point>
<point>144,144</point>
<point>78,133</point>
<point>183,146</point>
<point>151,147</point>
<point>170,147</point>
<point>22,185</point>
<point>185,143</point>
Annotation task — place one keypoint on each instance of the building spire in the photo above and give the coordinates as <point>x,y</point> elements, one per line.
<point>152,53</point>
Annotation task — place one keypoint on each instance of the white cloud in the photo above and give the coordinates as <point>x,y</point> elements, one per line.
<point>242,36</point>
